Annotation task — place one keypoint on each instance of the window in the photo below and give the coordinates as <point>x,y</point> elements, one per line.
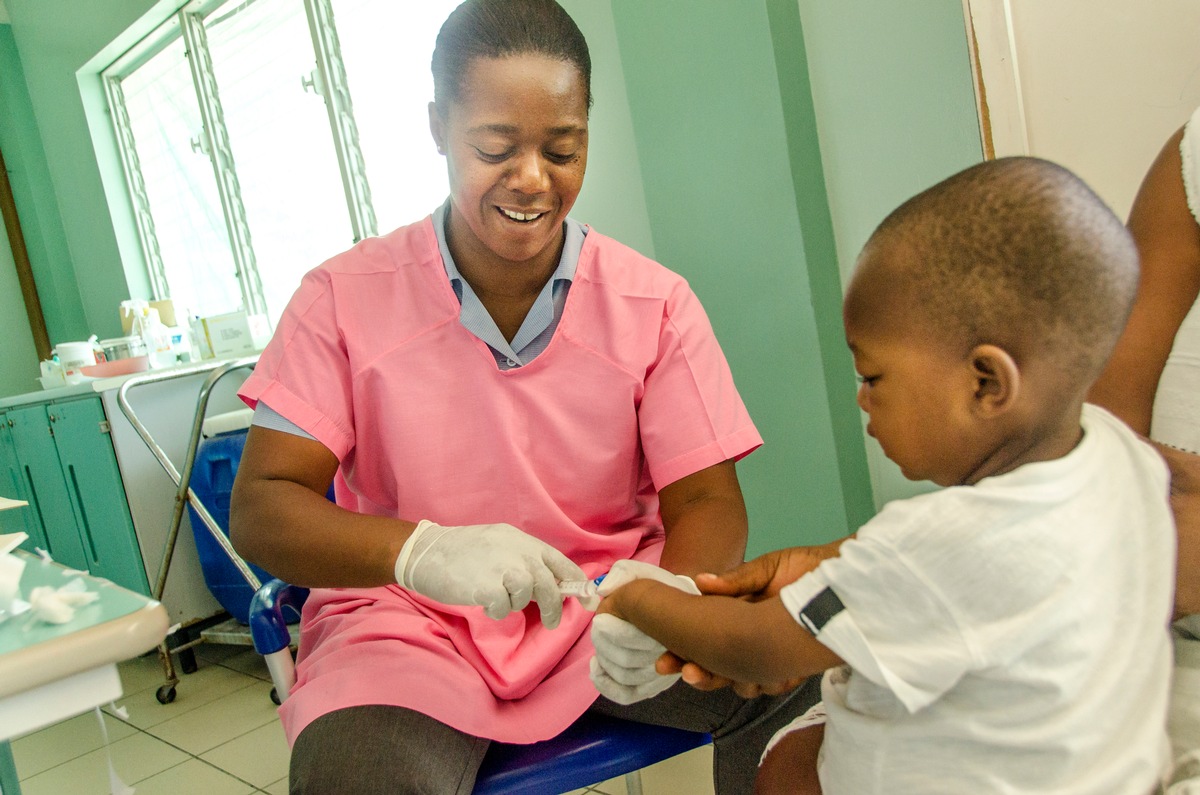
<point>261,137</point>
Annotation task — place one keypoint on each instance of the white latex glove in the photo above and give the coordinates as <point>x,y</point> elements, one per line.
<point>495,566</point>
<point>623,668</point>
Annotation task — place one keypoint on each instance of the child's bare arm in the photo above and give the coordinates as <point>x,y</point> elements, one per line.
<point>756,642</point>
<point>754,581</point>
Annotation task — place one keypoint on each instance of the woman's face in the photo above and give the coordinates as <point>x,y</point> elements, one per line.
<point>515,142</point>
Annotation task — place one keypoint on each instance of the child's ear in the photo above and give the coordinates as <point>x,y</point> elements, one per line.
<point>996,377</point>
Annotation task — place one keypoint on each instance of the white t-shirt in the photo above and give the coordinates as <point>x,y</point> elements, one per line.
<point>1006,637</point>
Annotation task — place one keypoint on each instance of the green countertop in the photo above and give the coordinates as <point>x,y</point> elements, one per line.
<point>96,385</point>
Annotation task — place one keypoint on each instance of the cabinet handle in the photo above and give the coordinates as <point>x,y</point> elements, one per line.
<point>86,525</point>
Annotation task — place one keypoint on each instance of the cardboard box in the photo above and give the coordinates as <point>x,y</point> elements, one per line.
<point>236,334</point>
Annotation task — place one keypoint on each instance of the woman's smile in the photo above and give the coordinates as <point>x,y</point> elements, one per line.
<point>516,149</point>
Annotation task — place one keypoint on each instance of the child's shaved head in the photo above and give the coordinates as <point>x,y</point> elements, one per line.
<point>1016,252</point>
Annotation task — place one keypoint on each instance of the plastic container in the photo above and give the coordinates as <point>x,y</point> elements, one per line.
<point>74,356</point>
<point>111,369</point>
<point>216,464</point>
<point>123,348</point>
<point>158,341</point>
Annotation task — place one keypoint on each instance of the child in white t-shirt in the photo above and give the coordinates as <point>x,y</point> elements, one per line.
<point>1008,633</point>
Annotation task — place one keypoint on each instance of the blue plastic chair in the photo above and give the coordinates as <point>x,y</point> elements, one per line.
<point>593,749</point>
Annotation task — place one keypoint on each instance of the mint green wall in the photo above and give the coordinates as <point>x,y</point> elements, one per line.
<point>85,276</point>
<point>704,155</point>
<point>612,200</point>
<point>18,357</point>
<point>721,148</point>
<point>895,108</point>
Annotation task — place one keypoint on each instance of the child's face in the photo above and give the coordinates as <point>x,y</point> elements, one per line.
<point>915,393</point>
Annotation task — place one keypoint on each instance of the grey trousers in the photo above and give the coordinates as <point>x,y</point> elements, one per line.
<point>383,749</point>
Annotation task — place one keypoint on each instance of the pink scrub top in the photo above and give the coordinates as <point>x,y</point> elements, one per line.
<point>632,394</point>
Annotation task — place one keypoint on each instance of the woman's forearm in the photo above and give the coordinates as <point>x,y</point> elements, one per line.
<point>302,538</point>
<point>280,520</point>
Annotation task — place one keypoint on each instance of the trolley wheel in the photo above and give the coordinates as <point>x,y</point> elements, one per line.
<point>187,661</point>
<point>275,697</point>
<point>165,694</point>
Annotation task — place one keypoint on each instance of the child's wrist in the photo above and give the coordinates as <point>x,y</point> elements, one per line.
<point>616,601</point>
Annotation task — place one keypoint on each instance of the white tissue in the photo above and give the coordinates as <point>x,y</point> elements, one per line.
<point>58,605</point>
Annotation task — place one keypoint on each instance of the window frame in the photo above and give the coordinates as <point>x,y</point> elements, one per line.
<point>328,80</point>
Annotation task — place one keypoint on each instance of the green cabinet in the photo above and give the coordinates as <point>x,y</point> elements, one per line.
<point>13,478</point>
<point>58,456</point>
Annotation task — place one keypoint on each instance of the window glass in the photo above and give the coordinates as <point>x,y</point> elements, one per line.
<point>283,151</point>
<point>288,185</point>
<point>386,47</point>
<point>181,189</point>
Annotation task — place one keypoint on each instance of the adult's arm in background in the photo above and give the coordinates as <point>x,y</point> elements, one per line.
<point>704,519</point>
<point>1168,242</point>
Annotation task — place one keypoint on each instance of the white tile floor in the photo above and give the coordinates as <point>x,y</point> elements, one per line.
<point>219,737</point>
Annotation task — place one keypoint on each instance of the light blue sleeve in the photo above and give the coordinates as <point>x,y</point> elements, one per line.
<point>267,417</point>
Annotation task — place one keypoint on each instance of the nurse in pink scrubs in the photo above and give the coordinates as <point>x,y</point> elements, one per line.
<point>504,399</point>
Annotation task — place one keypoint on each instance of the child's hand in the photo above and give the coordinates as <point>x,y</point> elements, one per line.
<point>702,679</point>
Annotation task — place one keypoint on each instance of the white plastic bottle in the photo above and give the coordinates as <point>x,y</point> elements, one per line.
<point>158,341</point>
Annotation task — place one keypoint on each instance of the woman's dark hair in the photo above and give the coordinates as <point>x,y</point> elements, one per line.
<point>499,28</point>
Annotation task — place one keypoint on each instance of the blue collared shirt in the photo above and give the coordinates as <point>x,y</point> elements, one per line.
<point>530,340</point>
<point>539,325</point>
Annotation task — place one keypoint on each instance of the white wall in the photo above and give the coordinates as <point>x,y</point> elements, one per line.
<point>1100,84</point>
<point>613,199</point>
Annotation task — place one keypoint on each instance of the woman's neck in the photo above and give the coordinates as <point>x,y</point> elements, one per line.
<point>492,276</point>
<point>506,289</point>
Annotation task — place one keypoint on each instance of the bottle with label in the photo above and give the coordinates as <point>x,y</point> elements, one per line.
<point>158,341</point>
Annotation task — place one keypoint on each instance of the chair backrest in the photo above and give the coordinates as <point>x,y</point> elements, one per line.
<point>593,749</point>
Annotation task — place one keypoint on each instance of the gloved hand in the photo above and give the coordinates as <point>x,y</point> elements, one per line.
<point>495,566</point>
<point>623,668</point>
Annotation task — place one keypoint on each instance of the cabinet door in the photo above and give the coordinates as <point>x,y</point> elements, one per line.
<point>45,489</point>
<point>12,485</point>
<point>93,481</point>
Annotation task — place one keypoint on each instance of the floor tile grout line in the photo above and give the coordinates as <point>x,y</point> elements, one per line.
<point>218,745</point>
<point>147,732</point>
<point>193,756</point>
<point>91,714</point>
<point>181,681</point>
<point>171,745</point>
